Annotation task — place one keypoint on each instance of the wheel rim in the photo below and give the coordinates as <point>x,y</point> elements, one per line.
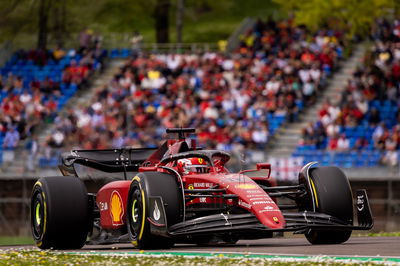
<point>38,215</point>
<point>136,212</point>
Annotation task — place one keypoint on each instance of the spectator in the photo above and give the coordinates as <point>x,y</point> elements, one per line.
<point>136,42</point>
<point>343,143</point>
<point>11,139</point>
<point>59,53</point>
<point>32,148</point>
<point>390,157</point>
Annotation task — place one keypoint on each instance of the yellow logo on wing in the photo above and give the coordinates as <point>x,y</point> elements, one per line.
<point>246,186</point>
<point>116,208</point>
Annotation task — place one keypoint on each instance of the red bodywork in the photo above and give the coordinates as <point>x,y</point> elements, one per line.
<point>112,198</point>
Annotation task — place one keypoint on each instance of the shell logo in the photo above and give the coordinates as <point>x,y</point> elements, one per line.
<point>246,186</point>
<point>116,208</point>
<point>276,220</point>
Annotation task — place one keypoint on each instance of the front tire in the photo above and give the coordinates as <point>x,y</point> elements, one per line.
<point>142,187</point>
<point>59,213</point>
<point>333,196</point>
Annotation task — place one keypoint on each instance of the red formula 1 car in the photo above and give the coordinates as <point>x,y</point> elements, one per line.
<point>179,193</point>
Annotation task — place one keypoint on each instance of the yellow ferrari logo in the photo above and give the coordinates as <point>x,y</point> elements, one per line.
<point>200,160</point>
<point>276,220</point>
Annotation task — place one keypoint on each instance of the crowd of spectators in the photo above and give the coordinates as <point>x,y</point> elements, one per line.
<point>35,84</point>
<point>234,100</point>
<point>369,105</point>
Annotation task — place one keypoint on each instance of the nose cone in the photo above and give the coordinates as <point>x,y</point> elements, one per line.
<point>253,198</point>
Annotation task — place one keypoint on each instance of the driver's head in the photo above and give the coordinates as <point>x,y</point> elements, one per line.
<point>193,165</point>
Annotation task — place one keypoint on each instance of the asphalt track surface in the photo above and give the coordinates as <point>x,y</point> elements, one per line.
<point>355,246</point>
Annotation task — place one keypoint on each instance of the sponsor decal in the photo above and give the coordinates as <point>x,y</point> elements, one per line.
<point>263,198</point>
<point>103,206</point>
<point>203,184</point>
<point>255,192</point>
<point>246,186</point>
<point>276,220</point>
<point>262,202</point>
<point>244,204</point>
<point>200,160</point>
<point>262,211</point>
<point>156,212</point>
<point>191,187</point>
<point>360,202</point>
<point>270,209</point>
<point>116,208</point>
<point>203,199</point>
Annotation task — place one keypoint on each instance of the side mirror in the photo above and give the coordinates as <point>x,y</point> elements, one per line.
<point>263,171</point>
<point>264,166</point>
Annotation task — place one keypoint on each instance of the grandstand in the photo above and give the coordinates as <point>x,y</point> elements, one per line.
<point>35,86</point>
<point>363,130</point>
<point>239,101</point>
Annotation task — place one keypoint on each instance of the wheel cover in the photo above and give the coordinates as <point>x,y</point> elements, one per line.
<point>136,213</point>
<point>38,215</point>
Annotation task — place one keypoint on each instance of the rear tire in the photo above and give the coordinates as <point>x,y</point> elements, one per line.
<point>60,214</point>
<point>142,187</point>
<point>333,196</point>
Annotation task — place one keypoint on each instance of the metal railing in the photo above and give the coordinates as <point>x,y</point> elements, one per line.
<point>120,41</point>
<point>180,47</point>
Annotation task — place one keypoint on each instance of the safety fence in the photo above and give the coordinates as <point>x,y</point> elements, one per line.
<point>384,195</point>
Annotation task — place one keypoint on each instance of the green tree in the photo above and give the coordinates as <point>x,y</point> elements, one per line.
<point>45,18</point>
<point>49,22</point>
<point>126,15</point>
<point>354,16</point>
<point>43,25</point>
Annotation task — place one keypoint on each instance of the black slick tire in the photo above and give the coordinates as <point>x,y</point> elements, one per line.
<point>60,215</point>
<point>142,187</point>
<point>332,195</point>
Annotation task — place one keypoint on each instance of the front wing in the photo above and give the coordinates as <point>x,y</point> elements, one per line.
<point>248,226</point>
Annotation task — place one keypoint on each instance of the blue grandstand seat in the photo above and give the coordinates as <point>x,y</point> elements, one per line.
<point>43,162</point>
<point>114,53</point>
<point>125,52</point>
<point>53,162</point>
<point>296,154</point>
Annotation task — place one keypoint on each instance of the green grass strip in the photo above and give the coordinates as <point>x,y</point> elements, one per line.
<point>12,240</point>
<point>250,256</point>
<point>27,257</point>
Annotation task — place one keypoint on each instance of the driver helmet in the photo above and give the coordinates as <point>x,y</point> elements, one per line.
<point>193,165</point>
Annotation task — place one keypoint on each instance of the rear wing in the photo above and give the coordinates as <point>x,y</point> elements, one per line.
<point>108,160</point>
